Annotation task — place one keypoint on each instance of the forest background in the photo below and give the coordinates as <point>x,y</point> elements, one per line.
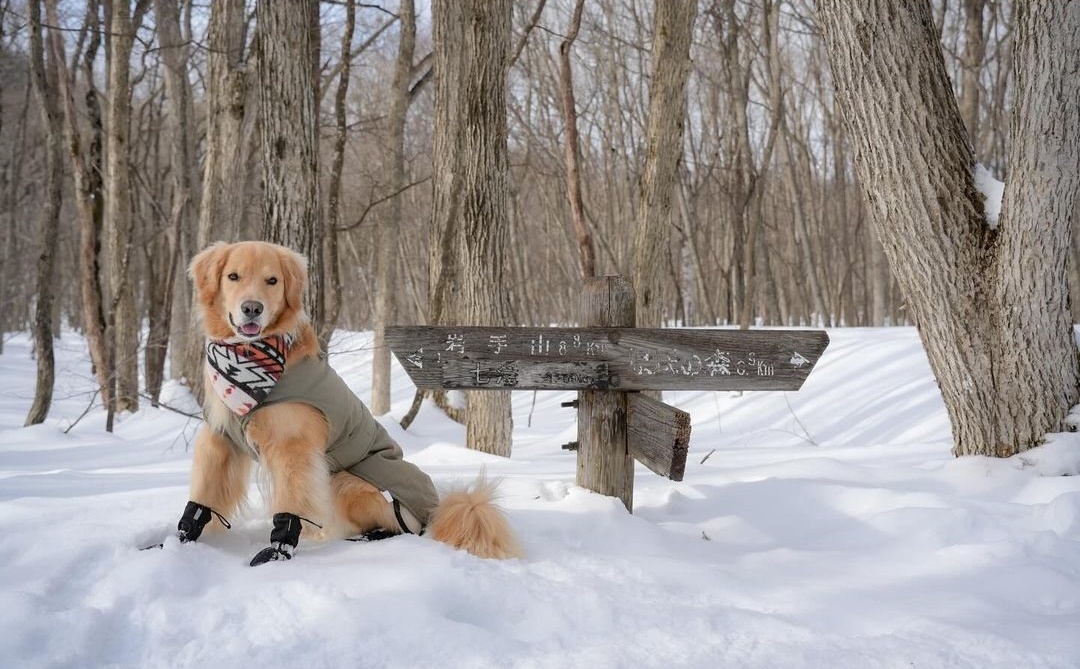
<point>767,225</point>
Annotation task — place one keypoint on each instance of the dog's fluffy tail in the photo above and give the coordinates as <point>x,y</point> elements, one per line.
<point>468,518</point>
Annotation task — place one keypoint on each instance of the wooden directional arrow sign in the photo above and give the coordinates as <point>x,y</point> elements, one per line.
<point>605,358</point>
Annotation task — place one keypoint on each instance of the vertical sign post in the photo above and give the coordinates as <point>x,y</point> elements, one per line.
<point>604,463</point>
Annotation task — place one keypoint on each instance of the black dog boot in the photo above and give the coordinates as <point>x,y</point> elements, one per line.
<point>191,524</point>
<point>195,518</point>
<point>283,539</point>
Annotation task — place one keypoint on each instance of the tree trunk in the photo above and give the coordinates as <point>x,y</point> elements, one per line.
<point>974,51</point>
<point>878,276</point>
<point>225,171</point>
<point>470,212</point>
<point>89,198</point>
<point>672,31</point>
<point>288,80</point>
<point>387,234</point>
<point>44,81</point>
<point>181,131</point>
<point>332,275</point>
<point>991,304</point>
<point>124,321</point>
<point>571,148</point>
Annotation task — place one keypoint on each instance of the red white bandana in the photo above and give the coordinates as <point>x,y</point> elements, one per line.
<point>243,373</point>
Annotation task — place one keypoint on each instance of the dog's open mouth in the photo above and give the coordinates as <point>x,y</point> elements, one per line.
<point>248,329</point>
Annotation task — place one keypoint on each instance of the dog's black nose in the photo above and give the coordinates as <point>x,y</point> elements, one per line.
<point>251,309</point>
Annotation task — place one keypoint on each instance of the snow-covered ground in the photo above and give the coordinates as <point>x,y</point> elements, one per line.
<point>825,528</point>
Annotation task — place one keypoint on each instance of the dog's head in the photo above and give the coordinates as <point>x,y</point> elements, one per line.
<point>249,289</point>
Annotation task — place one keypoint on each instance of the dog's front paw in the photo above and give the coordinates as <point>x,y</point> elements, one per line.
<point>195,518</point>
<point>283,539</point>
<point>279,551</point>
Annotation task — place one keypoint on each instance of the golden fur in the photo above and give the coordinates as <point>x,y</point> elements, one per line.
<point>291,437</point>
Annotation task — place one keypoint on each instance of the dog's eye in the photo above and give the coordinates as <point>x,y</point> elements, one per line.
<point>272,281</point>
<point>233,276</point>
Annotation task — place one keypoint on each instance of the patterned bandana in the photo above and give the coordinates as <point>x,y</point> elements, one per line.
<point>244,372</point>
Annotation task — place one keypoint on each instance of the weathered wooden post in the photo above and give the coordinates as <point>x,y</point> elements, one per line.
<point>604,463</point>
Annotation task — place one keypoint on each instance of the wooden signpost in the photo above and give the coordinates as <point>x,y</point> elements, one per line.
<point>607,361</point>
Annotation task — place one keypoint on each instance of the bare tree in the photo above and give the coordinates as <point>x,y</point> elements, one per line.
<point>672,30</point>
<point>43,77</point>
<point>572,149</point>
<point>991,303</point>
<point>85,151</point>
<point>387,234</point>
<point>332,273</point>
<point>185,195</point>
<point>121,21</point>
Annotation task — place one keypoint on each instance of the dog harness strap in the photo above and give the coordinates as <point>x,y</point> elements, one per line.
<point>222,519</point>
<point>400,520</point>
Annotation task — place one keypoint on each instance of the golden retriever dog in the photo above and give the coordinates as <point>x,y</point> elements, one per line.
<point>271,397</point>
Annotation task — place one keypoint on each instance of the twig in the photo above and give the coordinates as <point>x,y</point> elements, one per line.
<point>809,438</point>
<point>93,398</point>
<point>531,408</point>
<point>182,434</point>
<point>162,405</point>
<point>707,456</point>
<point>528,29</point>
<point>379,201</point>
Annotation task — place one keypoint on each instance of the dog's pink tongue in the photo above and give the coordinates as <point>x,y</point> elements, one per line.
<point>251,329</point>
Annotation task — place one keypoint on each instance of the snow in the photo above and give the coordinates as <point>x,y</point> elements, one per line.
<point>992,191</point>
<point>825,528</point>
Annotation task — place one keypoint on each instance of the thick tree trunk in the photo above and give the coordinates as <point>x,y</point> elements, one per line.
<point>672,32</point>
<point>44,81</point>
<point>386,235</point>
<point>1038,374</point>
<point>288,63</point>
<point>991,305</point>
<point>470,205</point>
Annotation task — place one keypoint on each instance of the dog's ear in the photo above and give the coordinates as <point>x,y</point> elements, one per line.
<point>295,271</point>
<point>205,271</point>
